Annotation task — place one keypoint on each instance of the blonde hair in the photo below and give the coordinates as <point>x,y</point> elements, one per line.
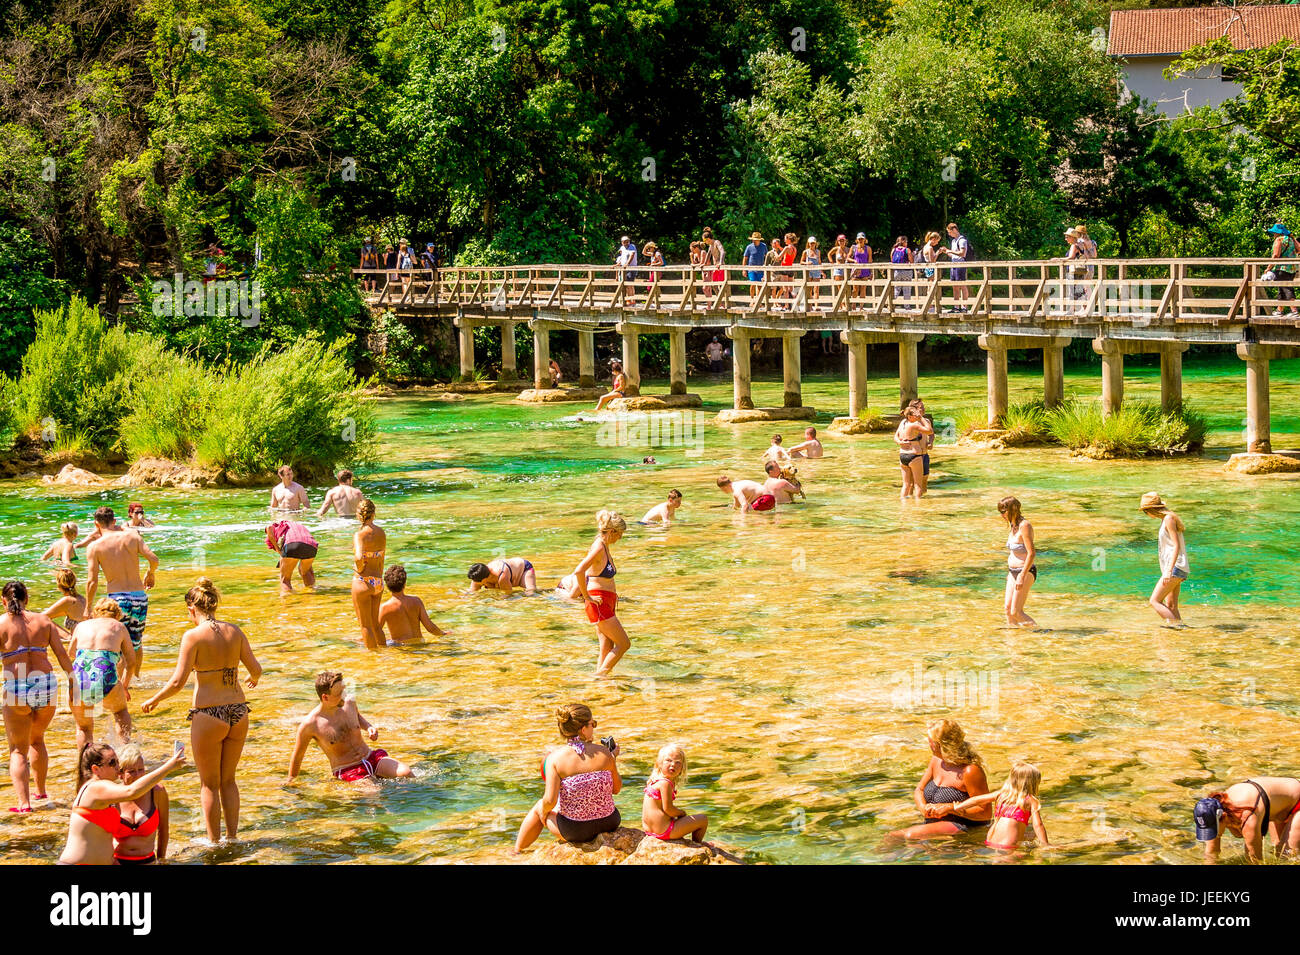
<point>366,511</point>
<point>68,530</point>
<point>129,753</point>
<point>930,236</point>
<point>66,580</point>
<point>571,718</point>
<point>203,597</point>
<point>607,521</point>
<point>107,607</point>
<point>953,747</point>
<point>665,751</point>
<point>1021,787</point>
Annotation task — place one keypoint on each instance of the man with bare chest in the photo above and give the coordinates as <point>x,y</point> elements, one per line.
<point>336,725</point>
<point>402,614</point>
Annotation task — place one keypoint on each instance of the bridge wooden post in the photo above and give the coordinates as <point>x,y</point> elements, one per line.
<point>677,362</point>
<point>509,359</point>
<point>996,361</point>
<point>792,369</point>
<point>1171,376</point>
<point>740,378</point>
<point>541,356</point>
<point>632,362</point>
<point>856,343</point>
<point>1112,375</point>
<point>586,360</point>
<point>1053,376</point>
<point>465,334</point>
<point>907,384</point>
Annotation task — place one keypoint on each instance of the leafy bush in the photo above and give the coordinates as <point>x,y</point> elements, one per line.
<point>170,405</point>
<point>1138,429</point>
<point>403,356</point>
<point>8,412</point>
<point>1025,423</point>
<point>302,406</point>
<point>24,286</point>
<point>77,375</point>
<point>966,420</point>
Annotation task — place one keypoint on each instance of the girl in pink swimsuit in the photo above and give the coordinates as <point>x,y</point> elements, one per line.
<point>659,816</point>
<point>1015,808</point>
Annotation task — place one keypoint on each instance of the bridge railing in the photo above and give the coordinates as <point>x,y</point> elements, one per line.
<point>1136,290</point>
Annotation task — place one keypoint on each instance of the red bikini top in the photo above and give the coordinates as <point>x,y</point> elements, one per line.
<point>145,827</point>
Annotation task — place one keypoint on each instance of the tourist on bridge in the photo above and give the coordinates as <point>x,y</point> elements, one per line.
<point>771,264</point>
<point>812,256</point>
<point>369,263</point>
<point>620,386</point>
<point>1284,247</point>
<point>958,251</point>
<point>861,254</point>
<point>656,262</point>
<point>902,278</point>
<point>429,258</point>
<point>1077,269</point>
<point>715,260</point>
<point>755,259</point>
<point>930,254</point>
<point>625,260</point>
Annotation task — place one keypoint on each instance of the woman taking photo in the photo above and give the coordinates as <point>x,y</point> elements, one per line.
<point>143,826</point>
<point>955,774</point>
<point>581,782</point>
<point>95,818</point>
<point>30,690</point>
<point>595,579</point>
<point>368,546</point>
<point>1021,570</point>
<point>214,650</point>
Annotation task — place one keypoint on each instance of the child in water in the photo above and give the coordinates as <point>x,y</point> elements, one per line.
<point>63,550</point>
<point>659,816</point>
<point>1015,807</point>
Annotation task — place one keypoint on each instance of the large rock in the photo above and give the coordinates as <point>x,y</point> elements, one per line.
<point>869,425</point>
<point>1254,463</point>
<point>746,415</point>
<point>549,395</point>
<point>73,476</point>
<point>655,402</point>
<point>159,472</point>
<point>626,846</point>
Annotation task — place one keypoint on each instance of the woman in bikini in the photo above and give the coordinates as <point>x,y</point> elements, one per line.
<point>368,545</point>
<point>620,386</point>
<point>143,822</point>
<point>95,818</point>
<point>102,663</point>
<point>71,606</point>
<point>30,690</point>
<point>214,650</point>
<point>581,782</point>
<point>1246,810</point>
<point>912,437</point>
<point>595,579</point>
<point>954,775</point>
<point>1022,570</point>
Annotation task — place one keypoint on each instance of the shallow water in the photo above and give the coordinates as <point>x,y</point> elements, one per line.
<point>798,656</point>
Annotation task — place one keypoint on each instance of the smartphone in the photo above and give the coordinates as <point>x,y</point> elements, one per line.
<point>177,746</point>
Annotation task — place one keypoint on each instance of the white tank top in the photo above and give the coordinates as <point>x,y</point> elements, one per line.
<point>1166,545</point>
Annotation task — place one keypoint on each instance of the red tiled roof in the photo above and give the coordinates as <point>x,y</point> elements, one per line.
<point>1171,32</point>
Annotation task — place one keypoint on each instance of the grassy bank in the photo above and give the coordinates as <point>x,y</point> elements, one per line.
<point>1139,429</point>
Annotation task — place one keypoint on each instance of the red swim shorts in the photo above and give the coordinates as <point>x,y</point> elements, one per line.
<point>764,502</point>
<point>604,606</point>
<point>363,770</point>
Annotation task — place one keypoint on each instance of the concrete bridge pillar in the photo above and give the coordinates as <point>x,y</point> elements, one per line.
<point>1258,424</point>
<point>1112,374</point>
<point>740,368</point>
<point>997,347</point>
<point>1171,376</point>
<point>1053,377</point>
<point>856,343</point>
<point>677,362</point>
<point>465,335</point>
<point>586,360</point>
<point>509,362</point>
<point>541,356</point>
<point>632,362</point>
<point>996,361</point>
<point>907,385</point>
<point>790,362</point>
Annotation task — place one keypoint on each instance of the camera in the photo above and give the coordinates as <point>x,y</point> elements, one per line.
<point>607,742</point>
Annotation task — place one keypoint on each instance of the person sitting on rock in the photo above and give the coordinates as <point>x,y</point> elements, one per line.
<point>660,816</point>
<point>620,387</point>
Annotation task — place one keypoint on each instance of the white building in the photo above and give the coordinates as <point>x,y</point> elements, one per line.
<point>1147,41</point>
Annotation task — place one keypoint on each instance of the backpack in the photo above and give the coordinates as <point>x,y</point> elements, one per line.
<point>898,256</point>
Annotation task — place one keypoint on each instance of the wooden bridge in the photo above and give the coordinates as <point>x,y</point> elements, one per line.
<point>1123,306</point>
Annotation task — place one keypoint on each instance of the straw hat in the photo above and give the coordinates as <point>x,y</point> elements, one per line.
<point>1151,502</point>
<point>1081,229</point>
<point>756,236</point>
<point>649,247</point>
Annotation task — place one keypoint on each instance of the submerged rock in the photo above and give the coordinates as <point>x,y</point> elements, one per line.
<point>72,475</point>
<point>746,415</point>
<point>869,425</point>
<point>549,395</point>
<point>627,846</point>
<point>655,402</point>
<point>1254,463</point>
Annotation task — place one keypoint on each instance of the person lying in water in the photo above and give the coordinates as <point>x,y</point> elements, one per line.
<point>402,615</point>
<point>336,726</point>
<point>504,573</point>
<point>663,513</point>
<point>746,495</point>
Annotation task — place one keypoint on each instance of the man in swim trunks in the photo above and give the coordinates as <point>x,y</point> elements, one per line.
<point>119,552</point>
<point>504,573</point>
<point>402,614</point>
<point>747,495</point>
<point>345,499</point>
<point>288,495</point>
<point>663,513</point>
<point>780,488</point>
<point>336,726</point>
<point>809,447</point>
